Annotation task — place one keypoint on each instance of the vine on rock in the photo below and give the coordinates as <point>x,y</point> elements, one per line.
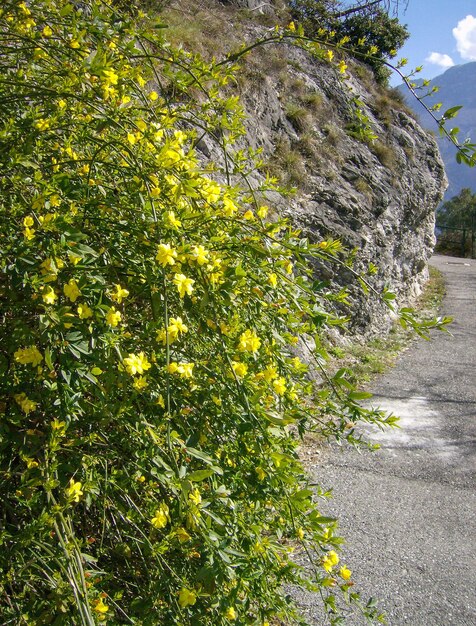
<point>152,395</point>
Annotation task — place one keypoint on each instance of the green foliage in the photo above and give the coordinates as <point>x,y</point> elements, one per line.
<point>459,211</point>
<point>150,393</point>
<point>371,33</point>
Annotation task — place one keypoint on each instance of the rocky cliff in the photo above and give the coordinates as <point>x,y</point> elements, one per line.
<point>378,195</point>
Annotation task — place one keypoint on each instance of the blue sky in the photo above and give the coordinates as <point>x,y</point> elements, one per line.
<point>442,34</point>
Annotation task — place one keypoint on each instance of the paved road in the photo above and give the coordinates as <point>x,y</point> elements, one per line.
<point>409,510</point>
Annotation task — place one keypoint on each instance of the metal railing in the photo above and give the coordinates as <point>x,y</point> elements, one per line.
<point>456,241</point>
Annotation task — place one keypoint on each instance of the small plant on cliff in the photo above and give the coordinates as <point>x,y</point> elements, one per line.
<point>365,27</point>
<point>150,317</point>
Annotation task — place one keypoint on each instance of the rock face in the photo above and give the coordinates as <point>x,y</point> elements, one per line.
<point>376,195</point>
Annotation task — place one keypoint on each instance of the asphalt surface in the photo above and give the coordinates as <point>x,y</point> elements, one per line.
<point>408,511</point>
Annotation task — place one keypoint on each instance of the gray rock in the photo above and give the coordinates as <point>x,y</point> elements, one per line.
<point>379,197</point>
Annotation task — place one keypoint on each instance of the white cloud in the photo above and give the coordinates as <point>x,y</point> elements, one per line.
<point>443,60</point>
<point>465,35</point>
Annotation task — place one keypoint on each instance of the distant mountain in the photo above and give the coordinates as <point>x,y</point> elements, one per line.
<point>457,86</point>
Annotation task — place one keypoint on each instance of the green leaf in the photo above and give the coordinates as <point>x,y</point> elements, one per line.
<point>200,475</point>
<point>452,112</point>
<point>359,395</point>
<point>48,361</point>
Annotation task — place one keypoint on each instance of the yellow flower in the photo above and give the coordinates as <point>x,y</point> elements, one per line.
<point>230,613</point>
<point>74,43</point>
<point>195,497</point>
<point>28,355</point>
<point>28,221</point>
<point>132,138</point>
<point>185,370</point>
<point>113,317</point>
<point>279,385</point>
<point>187,597</point>
<point>161,518</point>
<point>345,573</point>
<point>29,233</point>
<point>49,295</point>
<point>177,323</point>
<point>42,124</point>
<point>342,67</point>
<point>261,473</point>
<point>273,279</point>
<point>326,564</point>
<point>249,215</point>
<point>171,221</point>
<point>300,533</point>
<point>210,190</point>
<point>174,329</point>
<point>100,607</point>
<point>249,341</point>
<point>330,55</point>
<point>153,95</point>
<point>24,9</point>
<point>136,363</point>
<point>200,255</point>
<point>334,558</point>
<point>84,311</point>
<point>71,290</point>
<point>140,383</point>
<point>239,368</point>
<point>25,403</point>
<point>47,32</point>
<point>184,285</point>
<point>262,211</point>
<point>330,560</point>
<point>73,492</point>
<point>166,255</point>
<point>270,373</point>
<point>120,294</point>
<point>110,76</point>
<point>229,207</point>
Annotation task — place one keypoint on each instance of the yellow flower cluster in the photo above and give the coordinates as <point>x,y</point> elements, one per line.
<point>166,255</point>
<point>184,285</point>
<point>113,317</point>
<point>330,560</point>
<point>136,363</point>
<point>120,294</point>
<point>73,491</point>
<point>28,232</point>
<point>345,573</point>
<point>101,608</point>
<point>249,341</point>
<point>71,290</point>
<point>240,369</point>
<point>175,328</point>
<point>161,517</point>
<point>84,311</point>
<point>28,355</point>
<point>185,370</point>
<point>49,296</point>
<point>26,405</point>
<point>187,597</point>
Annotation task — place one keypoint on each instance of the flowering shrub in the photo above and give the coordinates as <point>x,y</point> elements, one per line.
<point>151,396</point>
